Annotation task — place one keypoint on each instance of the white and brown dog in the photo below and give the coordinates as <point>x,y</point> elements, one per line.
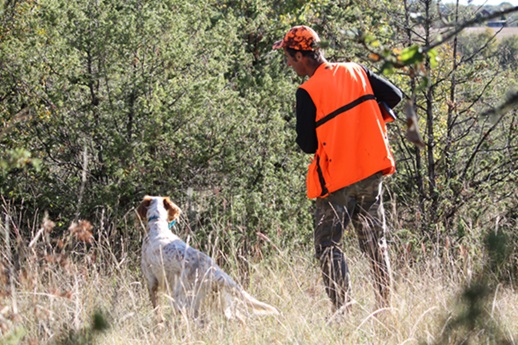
<point>186,274</point>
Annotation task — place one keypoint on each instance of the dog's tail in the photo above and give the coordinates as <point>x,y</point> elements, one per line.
<point>258,307</point>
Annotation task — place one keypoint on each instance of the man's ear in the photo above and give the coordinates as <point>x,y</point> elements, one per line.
<point>298,56</point>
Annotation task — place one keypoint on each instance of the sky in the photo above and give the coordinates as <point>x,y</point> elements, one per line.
<point>482,2</point>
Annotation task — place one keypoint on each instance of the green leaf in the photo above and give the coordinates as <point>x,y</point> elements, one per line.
<point>411,55</point>
<point>434,58</point>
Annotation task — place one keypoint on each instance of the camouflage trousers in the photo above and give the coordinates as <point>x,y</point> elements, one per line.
<point>361,206</point>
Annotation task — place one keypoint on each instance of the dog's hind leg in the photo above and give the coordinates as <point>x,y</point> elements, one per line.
<point>184,295</point>
<point>229,307</point>
<point>197,298</point>
<point>179,298</point>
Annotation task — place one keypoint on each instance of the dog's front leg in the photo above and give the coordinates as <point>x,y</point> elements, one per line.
<point>153,292</point>
<point>153,287</point>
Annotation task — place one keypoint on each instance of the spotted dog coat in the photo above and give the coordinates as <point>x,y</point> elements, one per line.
<point>188,275</point>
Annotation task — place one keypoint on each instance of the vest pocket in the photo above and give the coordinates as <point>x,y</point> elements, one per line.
<point>315,181</point>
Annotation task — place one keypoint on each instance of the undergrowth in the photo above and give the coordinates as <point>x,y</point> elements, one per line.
<point>74,289</point>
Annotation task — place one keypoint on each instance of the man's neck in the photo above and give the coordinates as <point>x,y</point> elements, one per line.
<point>313,67</point>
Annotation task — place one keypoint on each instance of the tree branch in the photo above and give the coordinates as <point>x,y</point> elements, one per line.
<point>458,28</point>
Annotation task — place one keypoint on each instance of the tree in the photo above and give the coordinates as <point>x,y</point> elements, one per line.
<point>467,164</point>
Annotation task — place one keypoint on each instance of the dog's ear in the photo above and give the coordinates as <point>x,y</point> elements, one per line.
<point>172,210</point>
<point>142,208</point>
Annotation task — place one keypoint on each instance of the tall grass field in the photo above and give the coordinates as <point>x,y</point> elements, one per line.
<point>80,290</point>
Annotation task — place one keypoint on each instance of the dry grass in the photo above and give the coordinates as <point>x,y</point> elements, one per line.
<point>500,32</point>
<point>51,300</point>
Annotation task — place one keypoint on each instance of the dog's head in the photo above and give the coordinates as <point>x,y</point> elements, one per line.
<point>159,206</point>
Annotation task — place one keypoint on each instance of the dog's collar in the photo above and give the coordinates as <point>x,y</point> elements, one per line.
<point>152,218</point>
<point>171,224</point>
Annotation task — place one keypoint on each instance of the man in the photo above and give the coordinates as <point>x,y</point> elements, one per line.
<point>340,121</point>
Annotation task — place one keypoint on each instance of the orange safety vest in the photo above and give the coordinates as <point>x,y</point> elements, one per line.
<point>351,132</point>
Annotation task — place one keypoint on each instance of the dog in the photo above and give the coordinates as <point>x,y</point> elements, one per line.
<point>188,275</point>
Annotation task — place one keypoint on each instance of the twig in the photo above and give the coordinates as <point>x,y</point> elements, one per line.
<point>36,238</point>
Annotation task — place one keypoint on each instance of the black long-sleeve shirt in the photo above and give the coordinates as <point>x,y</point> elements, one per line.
<point>306,111</point>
